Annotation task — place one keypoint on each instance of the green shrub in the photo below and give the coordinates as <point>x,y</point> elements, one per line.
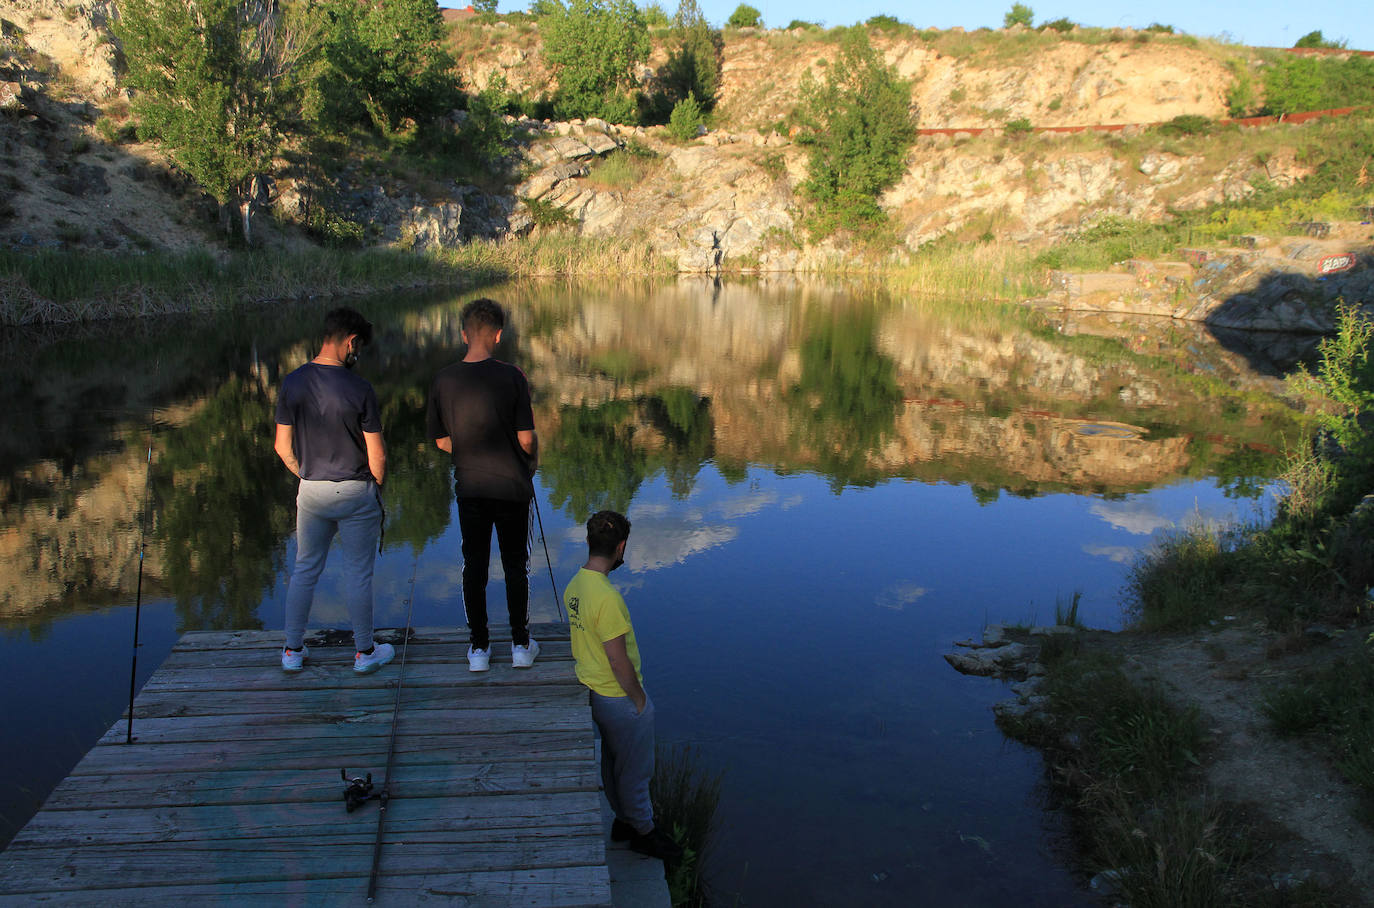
<point>1159,29</point>
<point>1018,127</point>
<point>1240,96</point>
<point>1294,84</point>
<point>858,126</point>
<point>1315,39</point>
<point>1019,14</point>
<point>1062,25</point>
<point>655,16</point>
<point>888,24</point>
<point>1179,583</point>
<point>745,16</point>
<point>1187,125</point>
<point>802,24</point>
<point>685,122</point>
<point>594,47</point>
<point>547,214</point>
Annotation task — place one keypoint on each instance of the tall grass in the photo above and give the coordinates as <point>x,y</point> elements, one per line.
<point>1336,703</point>
<point>989,271</point>
<point>54,287</point>
<point>685,797</point>
<point>1125,757</point>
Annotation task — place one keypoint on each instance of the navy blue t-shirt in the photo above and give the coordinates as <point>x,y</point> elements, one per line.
<point>481,406</point>
<point>329,408</point>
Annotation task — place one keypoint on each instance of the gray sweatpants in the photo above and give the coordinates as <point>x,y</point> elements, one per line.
<point>351,510</point>
<point>627,757</point>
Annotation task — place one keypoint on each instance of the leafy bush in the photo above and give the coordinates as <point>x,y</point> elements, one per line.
<point>1019,14</point>
<point>802,24</point>
<point>1315,39</point>
<point>381,64</point>
<point>1187,125</point>
<point>745,16</point>
<point>1159,28</point>
<point>858,125</point>
<point>1062,25</point>
<point>685,122</point>
<point>547,214</point>
<point>1294,84</point>
<point>655,16</point>
<point>693,65</point>
<point>594,47</point>
<point>1240,97</point>
<point>889,24</point>
<point>1018,127</point>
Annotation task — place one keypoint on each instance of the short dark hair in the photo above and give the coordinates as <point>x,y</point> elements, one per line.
<point>605,531</point>
<point>483,313</point>
<point>340,323</point>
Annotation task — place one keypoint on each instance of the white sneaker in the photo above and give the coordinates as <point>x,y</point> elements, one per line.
<point>367,663</point>
<point>479,660</point>
<point>523,656</point>
<point>293,660</point>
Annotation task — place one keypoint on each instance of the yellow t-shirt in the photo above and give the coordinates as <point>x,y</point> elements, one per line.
<point>597,613</point>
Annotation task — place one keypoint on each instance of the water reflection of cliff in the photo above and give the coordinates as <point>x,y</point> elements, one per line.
<point>630,384</point>
<point>862,393</point>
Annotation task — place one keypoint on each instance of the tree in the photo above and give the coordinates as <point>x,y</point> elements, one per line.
<point>1019,14</point>
<point>594,47</point>
<point>745,16</point>
<point>483,7</point>
<point>1316,40</point>
<point>384,63</point>
<point>859,125</point>
<point>693,66</point>
<point>685,122</point>
<point>215,83</point>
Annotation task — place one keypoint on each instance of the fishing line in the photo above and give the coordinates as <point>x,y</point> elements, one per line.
<point>138,599</point>
<point>385,795</point>
<point>557,599</point>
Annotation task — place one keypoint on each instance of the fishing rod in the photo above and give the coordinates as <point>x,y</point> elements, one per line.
<point>557,599</point>
<point>138,599</point>
<point>385,795</point>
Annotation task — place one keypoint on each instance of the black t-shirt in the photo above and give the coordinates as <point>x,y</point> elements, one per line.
<point>329,408</point>
<point>481,406</point>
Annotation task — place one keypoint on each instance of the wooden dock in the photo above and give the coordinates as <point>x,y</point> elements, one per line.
<point>231,790</point>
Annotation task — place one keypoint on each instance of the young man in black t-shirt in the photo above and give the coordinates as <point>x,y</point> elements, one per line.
<point>479,412</point>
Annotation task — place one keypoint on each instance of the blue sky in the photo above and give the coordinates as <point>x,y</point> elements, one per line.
<point>1266,23</point>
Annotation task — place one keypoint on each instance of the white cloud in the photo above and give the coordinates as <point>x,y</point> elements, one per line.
<point>1119,553</point>
<point>659,544</point>
<point>744,505</point>
<point>1136,517</point>
<point>899,595</point>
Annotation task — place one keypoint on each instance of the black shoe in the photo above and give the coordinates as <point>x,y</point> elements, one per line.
<point>622,831</point>
<point>656,845</point>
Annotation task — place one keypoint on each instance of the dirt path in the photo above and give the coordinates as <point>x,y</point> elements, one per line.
<point>1308,810</point>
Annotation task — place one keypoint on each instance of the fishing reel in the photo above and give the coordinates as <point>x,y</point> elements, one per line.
<point>358,791</point>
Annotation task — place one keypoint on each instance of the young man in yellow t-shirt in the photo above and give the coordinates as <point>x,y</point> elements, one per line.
<point>607,657</point>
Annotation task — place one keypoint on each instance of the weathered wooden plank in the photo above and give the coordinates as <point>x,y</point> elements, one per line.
<point>269,676</point>
<point>417,654</point>
<point>213,756</point>
<point>165,704</point>
<point>230,793</point>
<point>563,887</point>
<point>287,729</point>
<point>93,867</point>
<point>232,787</point>
<point>457,815</point>
<point>272,640</point>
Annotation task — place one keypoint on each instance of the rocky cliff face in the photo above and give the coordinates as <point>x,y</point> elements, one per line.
<point>729,200</point>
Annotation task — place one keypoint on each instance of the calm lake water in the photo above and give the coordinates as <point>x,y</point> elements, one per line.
<point>828,486</point>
